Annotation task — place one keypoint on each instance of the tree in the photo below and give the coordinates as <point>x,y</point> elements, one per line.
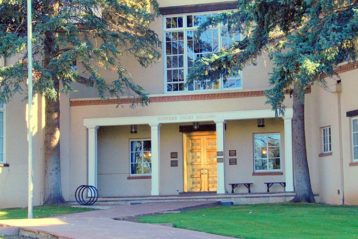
<point>306,40</point>
<point>92,34</point>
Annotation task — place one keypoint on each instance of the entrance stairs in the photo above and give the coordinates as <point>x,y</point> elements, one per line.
<point>252,198</point>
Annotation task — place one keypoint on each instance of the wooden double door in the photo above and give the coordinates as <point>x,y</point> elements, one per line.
<point>200,164</point>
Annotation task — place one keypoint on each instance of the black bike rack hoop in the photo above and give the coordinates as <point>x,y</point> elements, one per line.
<point>86,195</point>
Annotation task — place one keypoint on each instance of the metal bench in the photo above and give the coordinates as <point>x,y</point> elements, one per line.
<point>270,184</point>
<point>237,185</point>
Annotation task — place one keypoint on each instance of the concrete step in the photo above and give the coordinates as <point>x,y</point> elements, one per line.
<point>253,198</point>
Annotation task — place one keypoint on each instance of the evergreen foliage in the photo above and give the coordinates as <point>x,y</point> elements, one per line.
<point>306,40</point>
<point>96,35</point>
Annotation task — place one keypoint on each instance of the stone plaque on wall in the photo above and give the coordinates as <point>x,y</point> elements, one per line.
<point>233,161</point>
<point>173,163</point>
<point>232,153</point>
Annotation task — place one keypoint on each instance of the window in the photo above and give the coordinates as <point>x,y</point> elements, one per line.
<point>267,152</point>
<point>2,133</point>
<point>326,140</point>
<point>355,138</point>
<point>140,157</point>
<point>183,47</point>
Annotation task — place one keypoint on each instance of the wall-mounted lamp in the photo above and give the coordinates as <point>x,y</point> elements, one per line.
<point>134,129</point>
<point>261,123</point>
<point>196,125</point>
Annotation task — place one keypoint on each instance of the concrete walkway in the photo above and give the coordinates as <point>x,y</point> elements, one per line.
<point>100,224</point>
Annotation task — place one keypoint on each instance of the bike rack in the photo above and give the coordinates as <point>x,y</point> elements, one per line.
<point>86,195</point>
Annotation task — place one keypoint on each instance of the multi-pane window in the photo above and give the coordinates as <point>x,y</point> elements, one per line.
<point>2,133</point>
<point>183,46</point>
<point>267,152</point>
<point>140,157</point>
<point>326,138</point>
<point>355,138</point>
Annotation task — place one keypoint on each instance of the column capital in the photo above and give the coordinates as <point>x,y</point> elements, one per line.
<point>93,127</point>
<point>154,124</point>
<point>219,121</point>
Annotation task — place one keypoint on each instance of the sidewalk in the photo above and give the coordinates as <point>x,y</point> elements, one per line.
<point>100,224</point>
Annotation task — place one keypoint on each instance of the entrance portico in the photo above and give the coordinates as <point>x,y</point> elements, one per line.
<point>155,123</point>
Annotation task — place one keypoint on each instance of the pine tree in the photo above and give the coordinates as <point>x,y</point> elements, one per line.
<point>90,34</point>
<point>306,40</point>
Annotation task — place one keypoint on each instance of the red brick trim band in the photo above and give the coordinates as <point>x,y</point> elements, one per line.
<point>267,173</point>
<point>172,98</point>
<point>347,67</point>
<point>353,164</point>
<point>325,154</point>
<point>138,177</point>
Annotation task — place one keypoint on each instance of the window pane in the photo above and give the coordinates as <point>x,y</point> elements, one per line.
<point>260,164</point>
<point>189,20</point>
<point>180,22</point>
<point>200,19</point>
<point>147,145</point>
<point>233,82</point>
<point>133,169</point>
<point>1,149</point>
<point>136,146</point>
<point>168,23</point>
<point>228,38</point>
<point>355,139</point>
<point>355,125</point>
<point>274,152</point>
<point>274,164</point>
<point>355,152</point>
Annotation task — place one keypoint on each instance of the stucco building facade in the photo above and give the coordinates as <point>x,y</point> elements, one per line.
<point>190,138</point>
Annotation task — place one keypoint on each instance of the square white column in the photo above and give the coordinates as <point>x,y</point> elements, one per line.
<point>220,156</point>
<point>155,142</point>
<point>92,156</point>
<point>288,154</point>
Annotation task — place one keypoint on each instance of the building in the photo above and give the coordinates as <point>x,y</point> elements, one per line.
<point>195,138</point>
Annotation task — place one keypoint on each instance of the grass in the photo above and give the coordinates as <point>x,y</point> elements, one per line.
<point>40,212</point>
<point>267,221</point>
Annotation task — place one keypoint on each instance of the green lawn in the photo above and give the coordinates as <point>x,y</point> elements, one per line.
<point>40,212</point>
<point>267,221</point>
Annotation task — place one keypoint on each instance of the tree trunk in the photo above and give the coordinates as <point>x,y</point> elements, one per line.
<point>302,179</point>
<point>53,192</point>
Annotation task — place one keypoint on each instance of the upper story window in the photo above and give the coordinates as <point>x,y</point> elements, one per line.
<point>183,47</point>
<point>2,133</point>
<point>326,140</point>
<point>355,138</point>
